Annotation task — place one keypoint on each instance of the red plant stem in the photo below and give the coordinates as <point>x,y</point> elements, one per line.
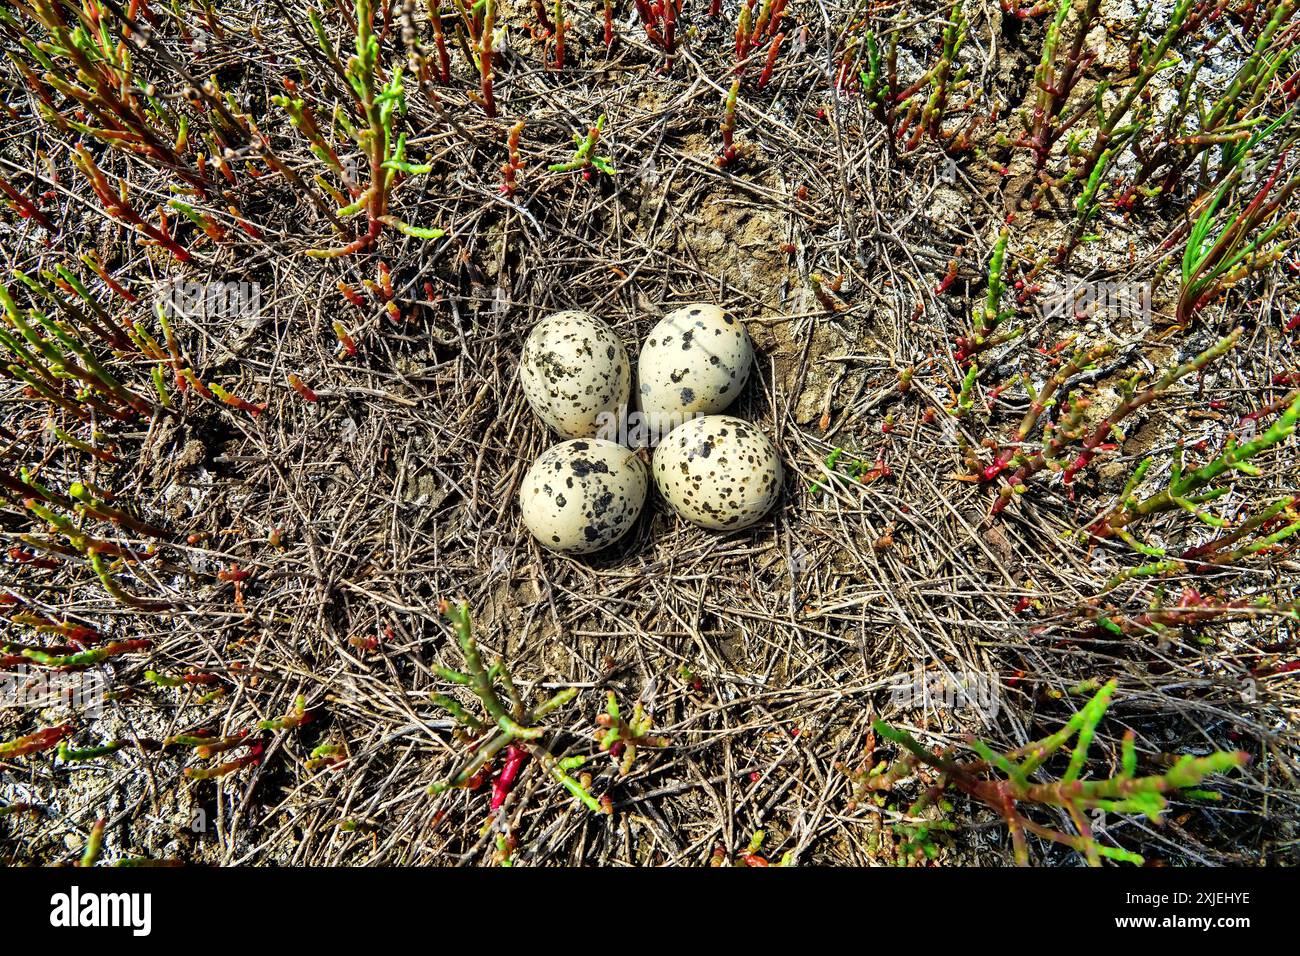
<point>1055,89</point>
<point>1039,405</point>
<point>1272,407</point>
<point>1190,610</point>
<point>440,42</point>
<point>34,743</point>
<point>778,10</point>
<point>254,756</point>
<point>349,344</point>
<point>363,242</point>
<point>1291,86</point>
<point>543,21</point>
<point>94,262</point>
<point>650,19</point>
<point>609,22</point>
<point>1287,668</point>
<point>511,167</point>
<point>772,52</point>
<point>742,37</point>
<point>559,35</point>
<point>234,401</point>
<point>1069,430</point>
<point>351,294</point>
<point>729,125</point>
<point>515,757</point>
<point>302,388</point>
<point>485,58</point>
<point>139,7</point>
<point>948,279</point>
<point>26,208</point>
<point>1103,430</point>
<point>1255,212</point>
<point>760,25</point>
<point>118,210</point>
<point>78,634</point>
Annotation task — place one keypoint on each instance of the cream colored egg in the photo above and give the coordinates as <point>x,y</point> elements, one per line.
<point>575,374</point>
<point>694,362</point>
<point>718,472</point>
<point>583,495</point>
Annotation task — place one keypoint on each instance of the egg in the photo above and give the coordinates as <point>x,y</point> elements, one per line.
<point>694,362</point>
<point>583,495</point>
<point>718,472</point>
<point>575,373</point>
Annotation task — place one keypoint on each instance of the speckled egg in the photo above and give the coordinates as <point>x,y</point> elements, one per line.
<point>583,495</point>
<point>718,472</point>
<point>694,362</point>
<point>573,369</point>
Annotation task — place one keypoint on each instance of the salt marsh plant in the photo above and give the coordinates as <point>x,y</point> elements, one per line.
<point>1191,489</point>
<point>1221,254</point>
<point>989,319</point>
<point>376,107</point>
<point>1012,782</point>
<point>46,739</point>
<point>1070,445</point>
<point>509,732</point>
<point>89,374</point>
<point>507,722</point>
<point>659,19</point>
<point>585,159</point>
<point>80,62</point>
<point>908,113</point>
